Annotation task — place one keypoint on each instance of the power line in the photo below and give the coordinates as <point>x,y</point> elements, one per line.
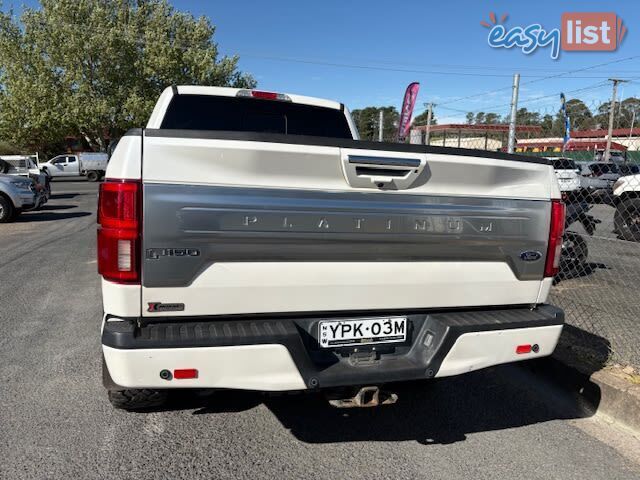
<point>539,80</point>
<point>135,33</point>
<point>134,36</point>
<point>554,95</point>
<point>530,100</point>
<point>451,109</point>
<point>348,60</point>
<point>404,70</point>
<point>585,68</point>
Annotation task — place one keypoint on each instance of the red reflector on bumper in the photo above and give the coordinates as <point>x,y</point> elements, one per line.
<point>520,349</point>
<point>185,373</point>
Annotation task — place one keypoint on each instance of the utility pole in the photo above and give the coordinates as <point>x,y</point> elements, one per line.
<point>633,120</point>
<point>511,143</point>
<point>612,113</point>
<point>380,124</point>
<point>429,117</point>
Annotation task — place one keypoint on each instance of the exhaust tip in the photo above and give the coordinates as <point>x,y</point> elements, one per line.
<point>366,397</point>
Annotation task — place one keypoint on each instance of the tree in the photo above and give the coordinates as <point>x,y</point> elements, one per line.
<point>469,117</point>
<point>492,118</point>
<point>623,114</point>
<point>580,117</point>
<point>422,118</point>
<point>547,124</point>
<point>95,68</point>
<point>525,117</point>
<point>366,120</point>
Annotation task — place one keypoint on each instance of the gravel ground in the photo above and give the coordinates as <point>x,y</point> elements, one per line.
<point>55,420</point>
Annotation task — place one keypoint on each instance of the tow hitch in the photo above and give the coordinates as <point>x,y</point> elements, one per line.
<point>365,397</point>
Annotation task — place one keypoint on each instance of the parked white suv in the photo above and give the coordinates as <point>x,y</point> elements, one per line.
<point>248,240</point>
<point>568,175</point>
<point>17,194</point>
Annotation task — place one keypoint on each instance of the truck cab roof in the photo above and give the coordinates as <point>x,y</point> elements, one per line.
<point>245,110</point>
<point>155,121</point>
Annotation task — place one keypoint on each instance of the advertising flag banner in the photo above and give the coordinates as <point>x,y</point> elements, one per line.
<point>409,102</point>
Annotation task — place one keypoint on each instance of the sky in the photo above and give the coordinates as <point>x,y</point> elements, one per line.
<point>365,53</point>
<point>421,35</point>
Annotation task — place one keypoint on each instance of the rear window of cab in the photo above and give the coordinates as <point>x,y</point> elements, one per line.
<point>237,114</point>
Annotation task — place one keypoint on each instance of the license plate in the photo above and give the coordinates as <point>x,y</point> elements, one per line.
<point>362,331</point>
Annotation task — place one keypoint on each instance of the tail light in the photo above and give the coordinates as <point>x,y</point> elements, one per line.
<point>556,230</point>
<point>119,233</point>
<point>263,95</point>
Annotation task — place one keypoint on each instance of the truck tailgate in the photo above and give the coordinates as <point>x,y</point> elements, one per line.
<point>241,223</point>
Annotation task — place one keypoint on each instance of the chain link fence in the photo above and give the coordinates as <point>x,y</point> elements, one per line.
<point>600,270</point>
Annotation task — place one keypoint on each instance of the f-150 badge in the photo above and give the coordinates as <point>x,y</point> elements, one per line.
<point>156,253</point>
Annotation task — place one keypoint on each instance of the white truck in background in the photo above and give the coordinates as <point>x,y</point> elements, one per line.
<point>86,164</point>
<point>249,240</point>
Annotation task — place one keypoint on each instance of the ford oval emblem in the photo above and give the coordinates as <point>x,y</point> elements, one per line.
<point>530,256</point>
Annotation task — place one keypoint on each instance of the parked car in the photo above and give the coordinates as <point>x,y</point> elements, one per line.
<point>615,156</point>
<point>280,253</point>
<point>27,166</point>
<point>17,194</point>
<point>568,175</point>
<point>625,170</point>
<point>598,179</point>
<point>626,198</point>
<point>87,164</point>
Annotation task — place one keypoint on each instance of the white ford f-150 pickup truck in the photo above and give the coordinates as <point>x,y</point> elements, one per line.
<point>249,240</point>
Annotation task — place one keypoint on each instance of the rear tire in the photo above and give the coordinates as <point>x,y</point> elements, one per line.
<point>132,399</point>
<point>575,251</point>
<point>7,211</point>
<point>93,176</point>
<point>137,399</point>
<point>626,220</point>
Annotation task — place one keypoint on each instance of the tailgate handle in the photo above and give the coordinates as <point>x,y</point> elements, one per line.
<point>377,172</point>
<point>385,162</point>
<point>382,172</point>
